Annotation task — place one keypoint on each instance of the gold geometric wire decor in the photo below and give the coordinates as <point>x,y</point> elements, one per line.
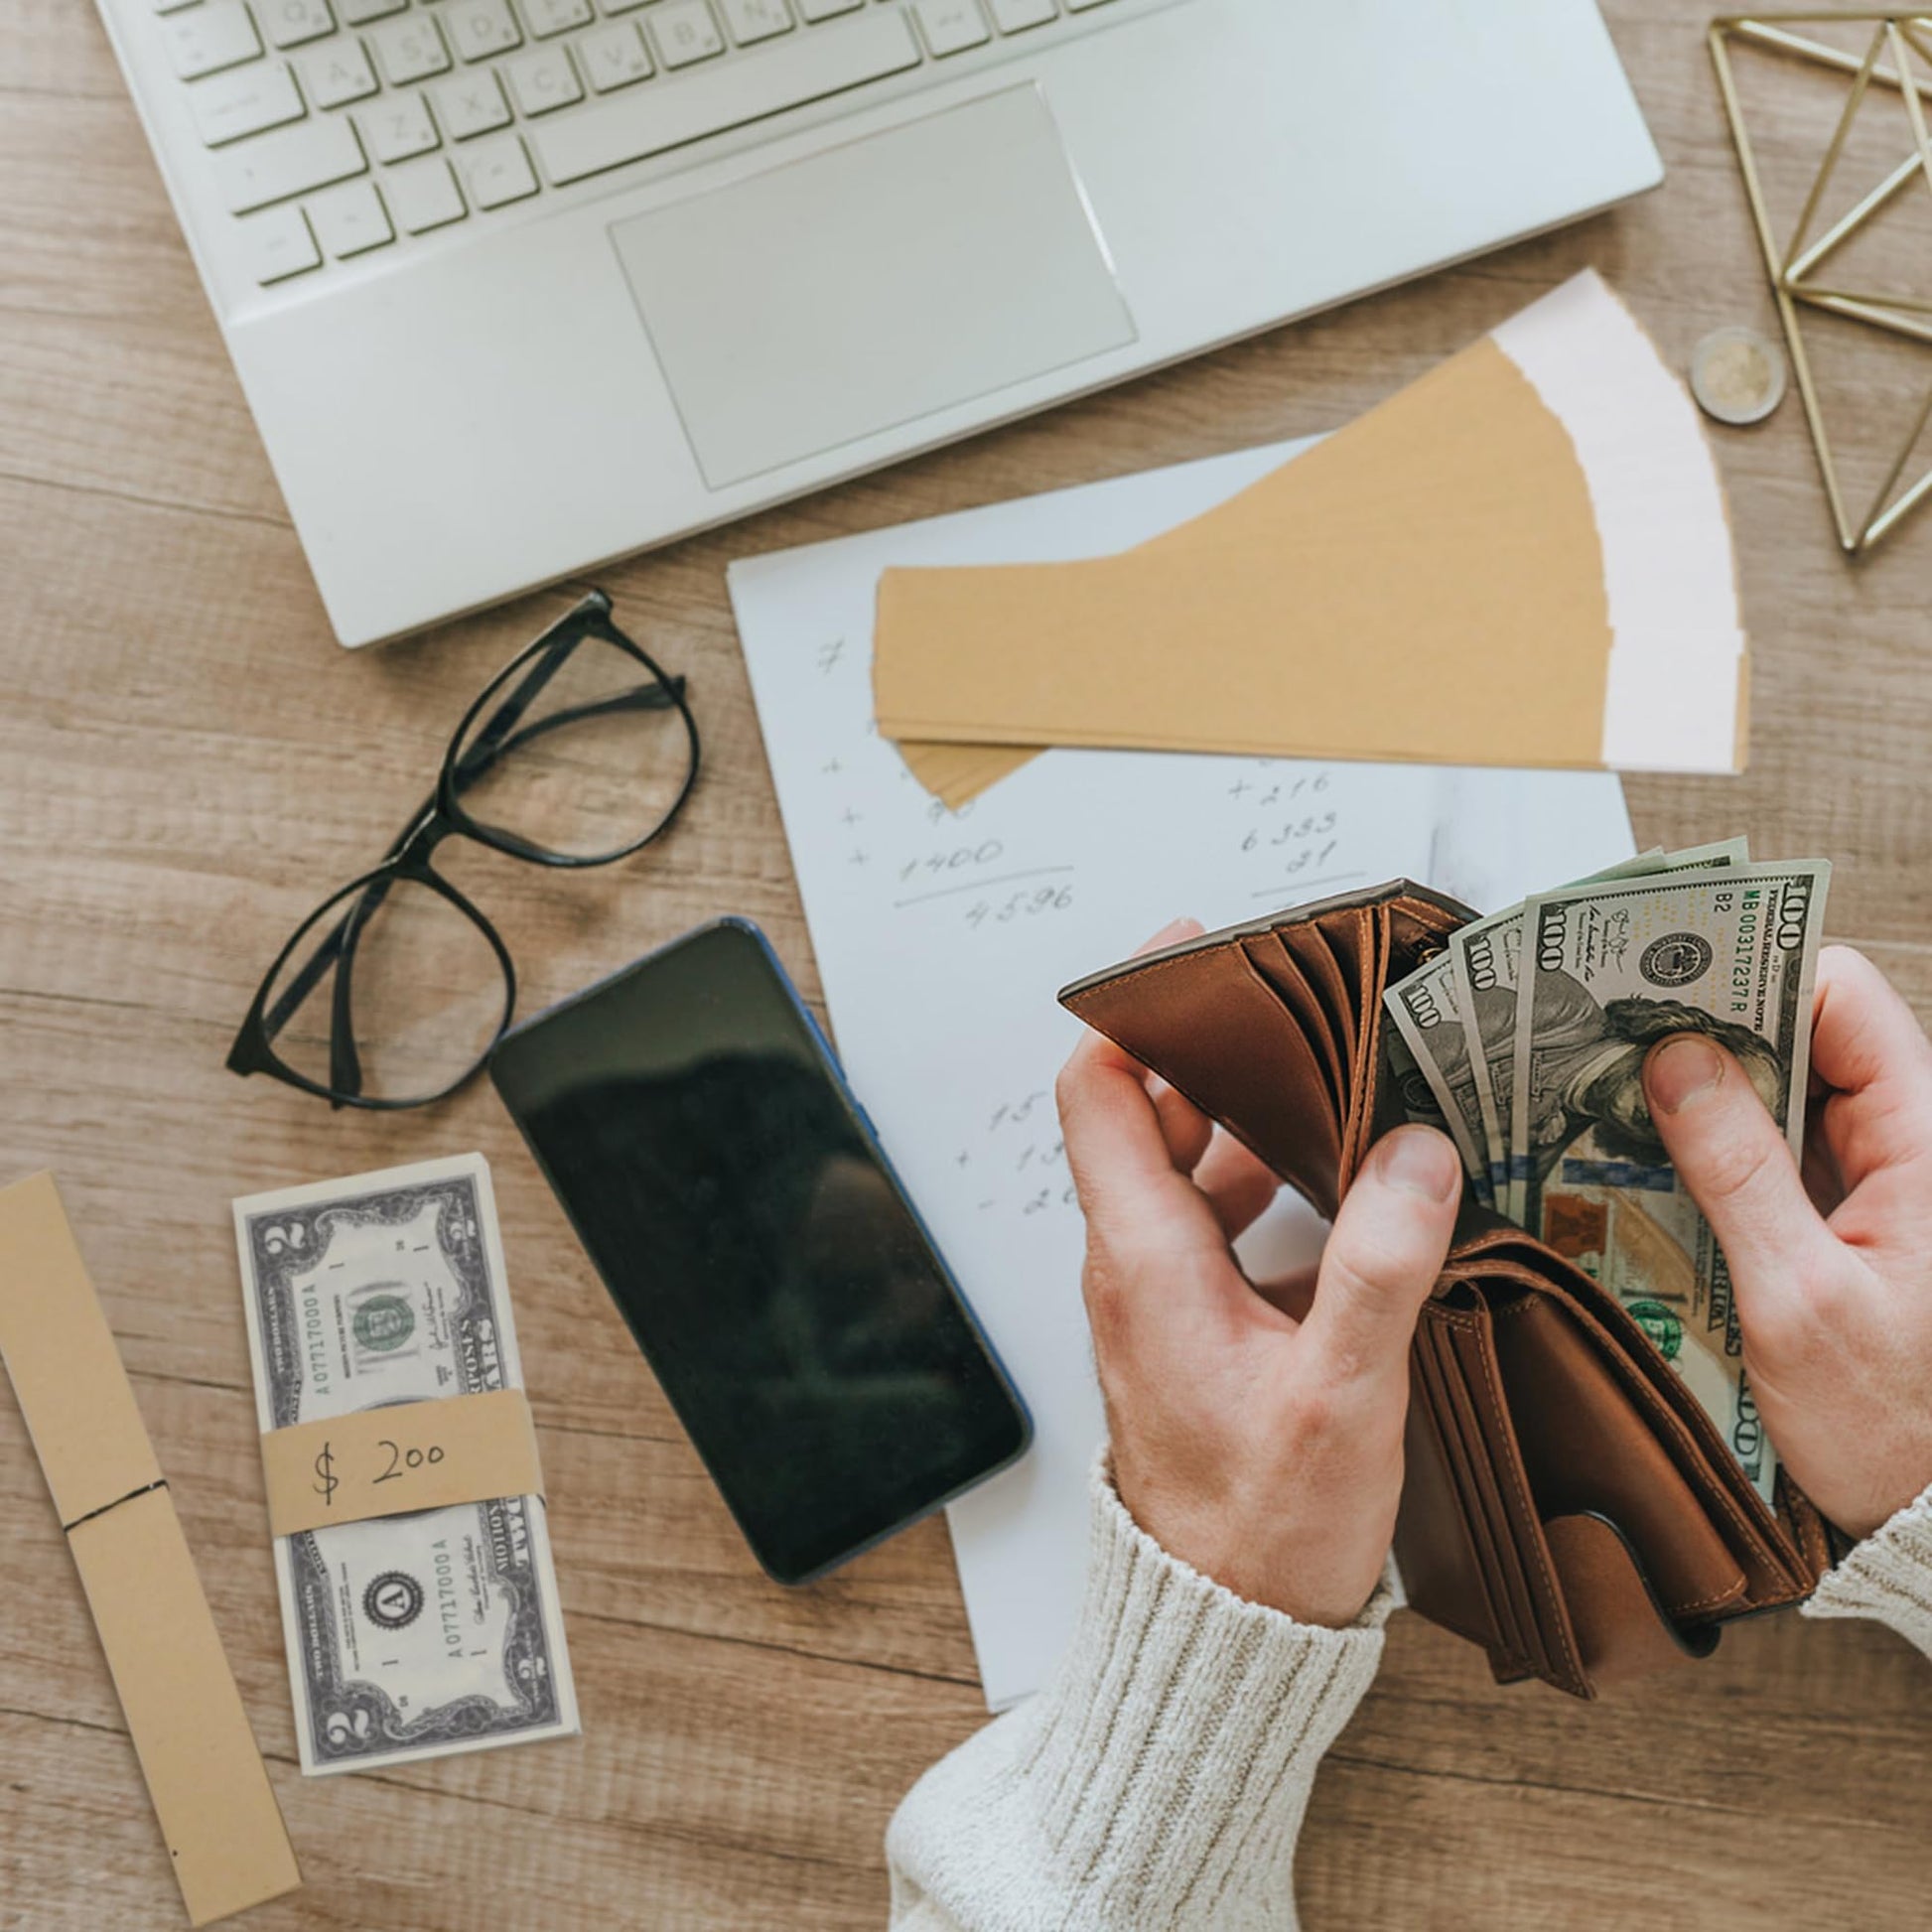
<point>1797,271</point>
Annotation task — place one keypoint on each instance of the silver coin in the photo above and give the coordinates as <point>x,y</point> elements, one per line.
<point>1737,376</point>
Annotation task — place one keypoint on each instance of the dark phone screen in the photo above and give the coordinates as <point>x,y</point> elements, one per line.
<point>766,1263</point>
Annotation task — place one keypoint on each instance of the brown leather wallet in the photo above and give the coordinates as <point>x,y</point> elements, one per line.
<point>1567,1503</point>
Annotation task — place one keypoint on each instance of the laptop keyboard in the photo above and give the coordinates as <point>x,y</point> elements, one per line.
<point>339,127</point>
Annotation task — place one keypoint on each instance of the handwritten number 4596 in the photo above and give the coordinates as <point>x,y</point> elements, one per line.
<point>1044,898</point>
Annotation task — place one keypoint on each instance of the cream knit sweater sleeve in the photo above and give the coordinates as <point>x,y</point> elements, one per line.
<point>1159,1782</point>
<point>1887,1578</point>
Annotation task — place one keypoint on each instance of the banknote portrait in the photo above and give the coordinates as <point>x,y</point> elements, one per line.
<point>1586,1069</point>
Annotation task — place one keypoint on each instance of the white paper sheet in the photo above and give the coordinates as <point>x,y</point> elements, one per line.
<point>942,937</point>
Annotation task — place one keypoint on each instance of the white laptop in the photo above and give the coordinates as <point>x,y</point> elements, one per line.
<point>517,287</point>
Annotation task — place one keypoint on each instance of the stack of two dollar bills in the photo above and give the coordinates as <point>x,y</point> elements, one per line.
<point>1525,1038</point>
<point>419,1635</point>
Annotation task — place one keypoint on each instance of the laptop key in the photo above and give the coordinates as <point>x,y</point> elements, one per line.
<point>826,9</point>
<point>290,23</point>
<point>290,160</point>
<point>423,194</point>
<point>220,35</point>
<point>614,57</point>
<point>951,26</point>
<point>481,28</point>
<point>470,104</point>
<point>498,170</point>
<point>399,126</point>
<point>544,80</point>
<point>684,30</point>
<point>1016,16</point>
<point>808,67</point>
<point>278,245</point>
<point>350,220</point>
<point>242,101</point>
<point>337,74</point>
<point>547,17</point>
<point>757,19</point>
<point>411,49</point>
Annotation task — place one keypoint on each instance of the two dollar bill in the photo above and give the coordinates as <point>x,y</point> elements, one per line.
<point>419,1635</point>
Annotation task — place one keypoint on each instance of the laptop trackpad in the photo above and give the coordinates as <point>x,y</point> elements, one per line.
<point>873,284</point>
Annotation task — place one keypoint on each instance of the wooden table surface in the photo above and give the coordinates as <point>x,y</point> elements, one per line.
<point>185,757</point>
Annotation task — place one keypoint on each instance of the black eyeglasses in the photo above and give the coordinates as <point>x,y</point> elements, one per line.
<point>392,994</point>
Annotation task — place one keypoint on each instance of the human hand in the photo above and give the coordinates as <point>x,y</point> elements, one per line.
<point>1832,1269</point>
<point>1256,1427</point>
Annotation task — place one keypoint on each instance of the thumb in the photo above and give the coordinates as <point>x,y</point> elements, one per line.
<point>1391,1237</point>
<point>1738,1167</point>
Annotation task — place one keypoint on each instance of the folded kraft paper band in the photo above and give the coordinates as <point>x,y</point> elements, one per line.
<point>388,1461</point>
<point>218,1813</point>
<point>1524,558</point>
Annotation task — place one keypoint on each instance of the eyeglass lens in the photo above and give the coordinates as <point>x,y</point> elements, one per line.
<point>584,753</point>
<point>412,977</point>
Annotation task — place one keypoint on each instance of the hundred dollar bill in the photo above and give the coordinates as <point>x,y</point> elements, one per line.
<point>408,1636</point>
<point>1485,957</point>
<point>1419,1100</point>
<point>1610,967</point>
<point>1431,1041</point>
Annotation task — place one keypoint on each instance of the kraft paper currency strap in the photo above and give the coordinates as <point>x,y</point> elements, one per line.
<point>388,1461</point>
<point>211,1791</point>
<point>1524,558</point>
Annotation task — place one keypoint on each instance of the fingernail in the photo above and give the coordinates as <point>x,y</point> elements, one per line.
<point>1418,1162</point>
<point>1681,1071</point>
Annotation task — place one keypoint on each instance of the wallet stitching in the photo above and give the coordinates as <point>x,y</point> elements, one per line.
<point>1515,1475</point>
<point>1325,1077</point>
<point>1738,1588</point>
<point>1480,1537</point>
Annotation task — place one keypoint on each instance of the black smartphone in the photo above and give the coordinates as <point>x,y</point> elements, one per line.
<point>732,1194</point>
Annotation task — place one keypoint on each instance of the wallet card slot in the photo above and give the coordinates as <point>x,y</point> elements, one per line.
<point>1490,1574</point>
<point>1308,945</point>
<point>1203,1020</point>
<point>1348,933</point>
<point>1274,965</point>
<point>1419,928</point>
<point>1368,1077</point>
<point>1473,1345</point>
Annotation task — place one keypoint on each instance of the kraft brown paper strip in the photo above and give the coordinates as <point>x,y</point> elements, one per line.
<point>1426,584</point>
<point>955,774</point>
<point>411,1455</point>
<point>217,1810</point>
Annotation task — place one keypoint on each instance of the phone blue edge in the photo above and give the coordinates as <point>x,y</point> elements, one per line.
<point>835,1074</point>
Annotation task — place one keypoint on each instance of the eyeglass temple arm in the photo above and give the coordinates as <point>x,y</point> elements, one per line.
<point>344,1062</point>
<point>495,741</point>
<point>652,697</point>
<point>489,744</point>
